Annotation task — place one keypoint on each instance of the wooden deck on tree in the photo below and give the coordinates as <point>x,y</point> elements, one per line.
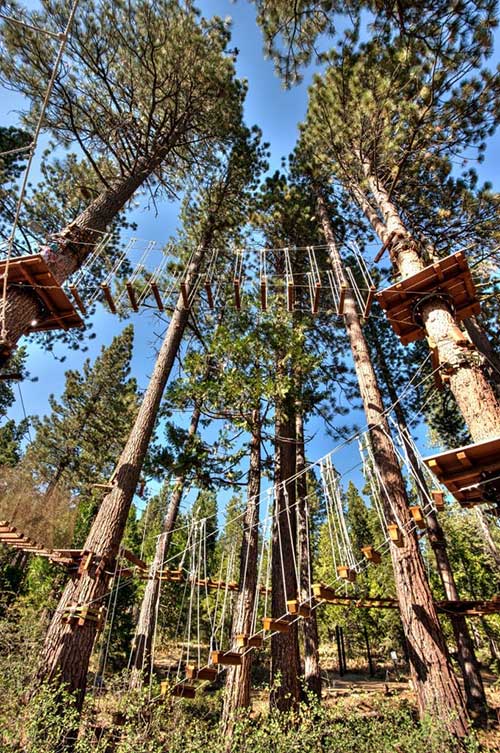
<point>32,272</point>
<point>470,466</point>
<point>450,277</point>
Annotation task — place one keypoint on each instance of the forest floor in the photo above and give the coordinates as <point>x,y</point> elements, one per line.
<point>355,694</point>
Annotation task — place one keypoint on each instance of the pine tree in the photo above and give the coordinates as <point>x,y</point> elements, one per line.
<point>144,50</point>
<point>394,103</point>
<point>78,444</point>
<point>434,680</point>
<point>293,31</point>
<point>66,653</point>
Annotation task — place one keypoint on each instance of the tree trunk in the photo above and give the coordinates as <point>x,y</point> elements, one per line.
<point>312,670</point>
<point>285,663</point>
<point>68,646</point>
<point>490,542</point>
<point>238,680</point>
<point>435,684</point>
<point>466,656</point>
<point>480,339</point>
<point>76,242</point>
<point>146,623</point>
<point>473,393</point>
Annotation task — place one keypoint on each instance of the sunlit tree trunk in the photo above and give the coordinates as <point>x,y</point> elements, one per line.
<point>143,639</point>
<point>238,680</point>
<point>473,393</point>
<point>466,656</point>
<point>285,663</point>
<point>75,243</point>
<point>68,646</point>
<point>312,670</point>
<point>435,683</point>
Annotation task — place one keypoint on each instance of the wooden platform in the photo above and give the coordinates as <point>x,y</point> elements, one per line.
<point>450,277</point>
<point>466,467</point>
<point>32,272</point>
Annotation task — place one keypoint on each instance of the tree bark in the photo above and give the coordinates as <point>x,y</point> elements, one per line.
<point>435,683</point>
<point>66,653</point>
<point>480,339</point>
<point>143,640</point>
<point>473,393</point>
<point>312,670</point>
<point>238,680</point>
<point>285,663</point>
<point>466,656</point>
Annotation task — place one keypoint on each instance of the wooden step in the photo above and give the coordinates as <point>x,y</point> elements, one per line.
<point>226,658</point>
<point>372,555</point>
<point>296,608</point>
<point>418,517</point>
<point>281,625</point>
<point>249,641</point>
<point>322,592</point>
<point>395,534</point>
<point>182,690</point>
<point>201,673</point>
<point>346,573</point>
<point>438,498</point>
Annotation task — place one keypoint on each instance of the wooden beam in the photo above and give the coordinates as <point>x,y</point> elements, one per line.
<point>131,295</point>
<point>76,295</point>
<point>157,296</point>
<point>108,297</point>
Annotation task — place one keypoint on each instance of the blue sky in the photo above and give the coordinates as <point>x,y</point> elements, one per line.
<point>277,112</point>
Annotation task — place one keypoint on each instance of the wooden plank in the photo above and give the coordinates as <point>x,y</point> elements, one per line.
<point>395,534</point>
<point>226,658</point>
<point>157,296</point>
<point>280,625</point>
<point>345,573</point>
<point>208,290</point>
<point>184,295</point>
<point>343,291</point>
<point>134,559</point>
<point>109,298</point>
<point>418,517</point>
<point>131,295</point>
<point>294,607</point>
<point>201,673</point>
<point>316,298</point>
<point>263,295</point>
<point>369,301</point>
<point>76,295</point>
<point>371,554</point>
<point>237,294</point>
